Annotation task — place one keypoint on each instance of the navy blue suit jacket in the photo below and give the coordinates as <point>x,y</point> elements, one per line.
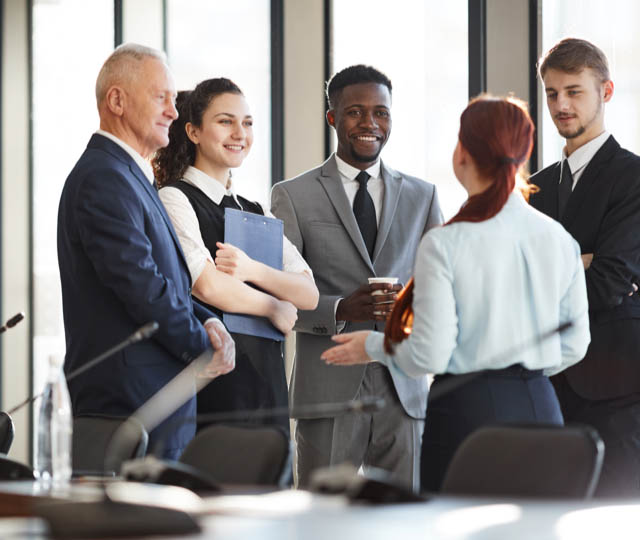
<point>121,266</point>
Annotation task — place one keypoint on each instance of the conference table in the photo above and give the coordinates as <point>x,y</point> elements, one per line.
<point>292,514</point>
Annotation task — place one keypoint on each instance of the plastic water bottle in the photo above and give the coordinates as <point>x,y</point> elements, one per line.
<point>55,425</point>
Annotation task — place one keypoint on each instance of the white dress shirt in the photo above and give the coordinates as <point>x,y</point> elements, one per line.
<point>375,185</point>
<point>581,157</point>
<point>141,162</point>
<point>185,222</point>
<point>483,291</point>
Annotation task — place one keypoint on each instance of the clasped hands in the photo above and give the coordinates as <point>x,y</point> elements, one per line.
<point>224,350</point>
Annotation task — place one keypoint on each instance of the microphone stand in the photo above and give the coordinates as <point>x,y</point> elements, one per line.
<point>12,322</point>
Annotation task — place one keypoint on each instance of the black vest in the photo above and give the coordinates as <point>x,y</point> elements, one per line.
<point>258,380</point>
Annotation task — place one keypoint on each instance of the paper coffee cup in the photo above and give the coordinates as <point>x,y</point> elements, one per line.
<point>388,280</point>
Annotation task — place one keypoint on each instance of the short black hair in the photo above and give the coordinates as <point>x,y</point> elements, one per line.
<point>353,75</point>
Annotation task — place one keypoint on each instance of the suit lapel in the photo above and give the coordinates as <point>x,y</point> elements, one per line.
<point>119,153</point>
<point>392,186</point>
<point>332,184</point>
<point>588,179</point>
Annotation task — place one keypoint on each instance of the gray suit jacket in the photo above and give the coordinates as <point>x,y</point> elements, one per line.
<point>319,220</point>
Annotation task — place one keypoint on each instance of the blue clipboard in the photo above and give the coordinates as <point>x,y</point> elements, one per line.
<point>261,238</point>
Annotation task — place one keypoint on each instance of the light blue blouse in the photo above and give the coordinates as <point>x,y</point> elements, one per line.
<point>484,289</point>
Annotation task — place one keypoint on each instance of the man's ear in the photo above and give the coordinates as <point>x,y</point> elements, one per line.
<point>607,91</point>
<point>331,118</point>
<point>114,100</point>
<point>192,132</point>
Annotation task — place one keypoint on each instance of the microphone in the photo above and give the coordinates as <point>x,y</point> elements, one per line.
<point>12,322</point>
<point>142,333</point>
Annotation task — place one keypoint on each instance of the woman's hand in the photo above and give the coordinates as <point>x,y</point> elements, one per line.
<point>235,262</point>
<point>283,316</point>
<point>350,351</point>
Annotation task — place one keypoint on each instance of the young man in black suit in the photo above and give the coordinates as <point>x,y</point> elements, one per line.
<point>595,193</point>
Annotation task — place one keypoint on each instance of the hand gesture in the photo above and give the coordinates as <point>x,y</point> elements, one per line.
<point>284,316</point>
<point>224,350</point>
<point>351,350</point>
<point>233,261</point>
<point>362,305</point>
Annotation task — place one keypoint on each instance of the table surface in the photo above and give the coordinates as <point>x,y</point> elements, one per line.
<point>302,515</point>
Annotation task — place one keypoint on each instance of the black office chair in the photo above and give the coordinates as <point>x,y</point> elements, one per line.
<point>96,452</point>
<point>257,455</point>
<point>527,461</point>
<point>6,432</point>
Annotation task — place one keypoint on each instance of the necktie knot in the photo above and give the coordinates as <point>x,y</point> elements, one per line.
<point>363,178</point>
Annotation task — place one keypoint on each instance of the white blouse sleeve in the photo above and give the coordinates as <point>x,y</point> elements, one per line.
<point>435,323</point>
<point>185,223</point>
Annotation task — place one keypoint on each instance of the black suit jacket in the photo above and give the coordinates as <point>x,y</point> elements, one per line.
<point>603,215</point>
<point>121,266</point>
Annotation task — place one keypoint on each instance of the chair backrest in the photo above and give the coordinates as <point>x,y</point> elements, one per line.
<point>95,452</point>
<point>259,455</point>
<point>6,432</point>
<point>527,461</point>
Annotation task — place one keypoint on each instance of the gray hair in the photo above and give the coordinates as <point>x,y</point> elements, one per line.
<point>119,68</point>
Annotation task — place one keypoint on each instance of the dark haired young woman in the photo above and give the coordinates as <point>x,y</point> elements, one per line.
<point>213,135</point>
<point>491,280</point>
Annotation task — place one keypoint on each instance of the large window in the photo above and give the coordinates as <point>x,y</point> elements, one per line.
<point>423,48</point>
<point>612,26</point>
<point>71,39</point>
<point>229,39</point>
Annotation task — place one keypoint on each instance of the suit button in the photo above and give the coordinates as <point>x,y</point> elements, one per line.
<point>189,291</point>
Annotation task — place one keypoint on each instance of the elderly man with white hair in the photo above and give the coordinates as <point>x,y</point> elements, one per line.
<point>120,260</point>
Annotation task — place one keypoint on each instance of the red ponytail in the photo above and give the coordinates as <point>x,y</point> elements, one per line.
<point>498,134</point>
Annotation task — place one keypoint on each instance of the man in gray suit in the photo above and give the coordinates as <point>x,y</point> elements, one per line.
<point>353,218</point>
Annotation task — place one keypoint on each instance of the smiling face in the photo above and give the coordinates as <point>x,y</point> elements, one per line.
<point>148,107</point>
<point>225,136</point>
<point>362,120</point>
<point>575,102</point>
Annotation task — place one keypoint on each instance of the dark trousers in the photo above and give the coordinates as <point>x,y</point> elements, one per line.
<point>511,395</point>
<point>618,423</point>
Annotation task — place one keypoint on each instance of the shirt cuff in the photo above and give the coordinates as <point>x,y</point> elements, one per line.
<point>340,325</point>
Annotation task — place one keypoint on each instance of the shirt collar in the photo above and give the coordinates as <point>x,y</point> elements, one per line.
<point>349,173</point>
<point>144,165</point>
<point>209,185</point>
<point>583,155</point>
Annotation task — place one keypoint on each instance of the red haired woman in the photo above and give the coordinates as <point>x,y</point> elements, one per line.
<point>498,275</point>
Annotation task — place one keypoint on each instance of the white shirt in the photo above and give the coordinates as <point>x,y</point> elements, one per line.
<point>375,185</point>
<point>581,157</point>
<point>483,291</point>
<point>141,162</point>
<point>185,222</point>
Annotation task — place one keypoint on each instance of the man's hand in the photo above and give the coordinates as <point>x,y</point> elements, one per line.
<point>635,289</point>
<point>586,259</point>
<point>224,356</point>
<point>235,262</point>
<point>362,305</point>
<point>284,315</point>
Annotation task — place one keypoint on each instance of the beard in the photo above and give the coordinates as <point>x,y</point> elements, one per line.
<point>568,134</point>
<point>366,158</point>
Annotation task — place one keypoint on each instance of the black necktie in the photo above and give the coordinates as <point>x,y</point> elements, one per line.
<point>365,213</point>
<point>564,188</point>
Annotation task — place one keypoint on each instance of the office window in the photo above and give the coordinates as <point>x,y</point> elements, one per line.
<point>612,26</point>
<point>229,39</point>
<point>423,48</point>
<point>70,40</point>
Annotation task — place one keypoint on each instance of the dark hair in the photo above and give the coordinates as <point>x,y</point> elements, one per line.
<point>572,55</point>
<point>353,75</point>
<point>498,134</point>
<point>170,162</point>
